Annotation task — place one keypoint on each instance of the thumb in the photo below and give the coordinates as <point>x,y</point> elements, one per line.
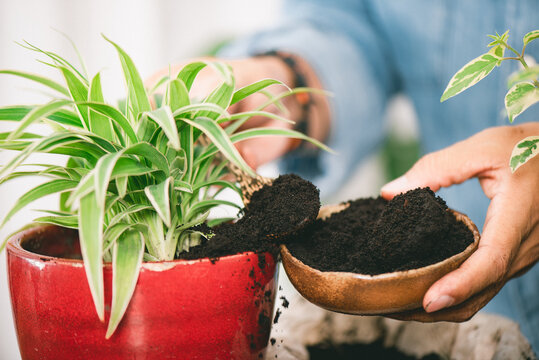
<point>452,165</point>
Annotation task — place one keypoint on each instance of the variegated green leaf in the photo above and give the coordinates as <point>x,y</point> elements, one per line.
<point>524,151</point>
<point>164,118</point>
<point>528,74</point>
<point>99,124</point>
<point>103,173</point>
<point>116,116</point>
<point>160,199</point>
<point>133,209</point>
<point>183,186</point>
<point>78,91</point>
<point>51,187</point>
<point>91,218</point>
<point>189,72</point>
<point>150,153</point>
<point>36,114</point>
<point>220,139</point>
<point>532,35</point>
<point>254,88</point>
<point>473,72</point>
<point>205,205</point>
<point>137,93</point>
<point>39,79</point>
<point>67,221</point>
<point>126,264</point>
<point>176,95</point>
<point>520,97</point>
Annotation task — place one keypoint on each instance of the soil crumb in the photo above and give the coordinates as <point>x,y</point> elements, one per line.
<point>275,209</point>
<point>375,236</point>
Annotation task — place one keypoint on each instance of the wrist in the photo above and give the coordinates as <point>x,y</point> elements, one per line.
<point>310,110</point>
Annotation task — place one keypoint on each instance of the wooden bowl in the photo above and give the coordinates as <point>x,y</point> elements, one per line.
<point>359,294</point>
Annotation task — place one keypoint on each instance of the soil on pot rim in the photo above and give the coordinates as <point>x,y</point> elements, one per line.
<point>375,236</point>
<point>275,209</point>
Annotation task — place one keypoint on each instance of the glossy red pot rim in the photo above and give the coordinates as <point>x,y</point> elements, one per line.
<point>15,248</point>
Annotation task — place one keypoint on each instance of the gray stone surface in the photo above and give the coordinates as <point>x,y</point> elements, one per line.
<point>484,337</point>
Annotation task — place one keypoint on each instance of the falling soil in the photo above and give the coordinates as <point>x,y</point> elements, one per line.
<point>375,236</point>
<point>273,210</point>
<point>375,350</point>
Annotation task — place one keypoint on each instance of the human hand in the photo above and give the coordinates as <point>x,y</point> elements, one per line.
<point>258,151</point>
<point>509,245</point>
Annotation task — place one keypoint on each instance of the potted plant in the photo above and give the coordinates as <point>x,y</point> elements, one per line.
<point>136,184</point>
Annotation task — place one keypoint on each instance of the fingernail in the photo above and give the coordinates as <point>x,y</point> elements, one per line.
<point>439,303</point>
<point>396,186</point>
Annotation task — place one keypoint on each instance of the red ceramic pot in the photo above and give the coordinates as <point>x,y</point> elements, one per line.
<point>181,309</point>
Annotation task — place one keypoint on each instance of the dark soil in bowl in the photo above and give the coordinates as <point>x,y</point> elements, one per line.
<point>374,350</point>
<point>275,209</point>
<point>375,236</point>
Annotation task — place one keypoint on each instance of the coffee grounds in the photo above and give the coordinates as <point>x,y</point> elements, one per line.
<point>375,236</point>
<point>275,209</point>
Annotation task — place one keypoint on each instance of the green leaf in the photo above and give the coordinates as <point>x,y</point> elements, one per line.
<point>137,93</point>
<point>199,108</point>
<point>99,124</point>
<point>528,74</point>
<point>520,97</point>
<point>58,60</point>
<point>91,243</point>
<point>126,264</point>
<point>103,173</point>
<point>150,153</point>
<point>39,79</point>
<point>264,132</point>
<point>164,118</point>
<point>532,35</point>
<point>160,199</point>
<point>221,96</point>
<point>499,39</point>
<point>220,183</point>
<point>254,88</point>
<point>191,70</point>
<point>116,116</point>
<point>473,72</point>
<point>184,186</point>
<point>79,93</point>
<point>44,144</point>
<point>523,152</point>
<point>36,114</point>
<point>51,187</point>
<point>67,221</point>
<point>205,205</point>
<point>133,209</point>
<point>220,139</point>
<point>176,95</point>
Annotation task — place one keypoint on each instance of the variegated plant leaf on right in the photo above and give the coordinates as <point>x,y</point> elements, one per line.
<point>520,97</point>
<point>523,152</point>
<point>471,73</point>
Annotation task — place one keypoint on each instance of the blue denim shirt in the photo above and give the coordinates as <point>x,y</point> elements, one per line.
<point>364,52</point>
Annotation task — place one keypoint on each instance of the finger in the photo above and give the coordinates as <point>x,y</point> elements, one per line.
<point>489,264</point>
<point>452,165</point>
<point>458,313</point>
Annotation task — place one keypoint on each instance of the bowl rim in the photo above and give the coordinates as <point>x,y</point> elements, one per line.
<point>411,273</point>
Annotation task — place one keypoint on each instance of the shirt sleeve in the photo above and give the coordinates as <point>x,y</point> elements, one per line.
<point>342,45</point>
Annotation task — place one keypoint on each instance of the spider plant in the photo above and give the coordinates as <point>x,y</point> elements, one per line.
<point>136,180</point>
